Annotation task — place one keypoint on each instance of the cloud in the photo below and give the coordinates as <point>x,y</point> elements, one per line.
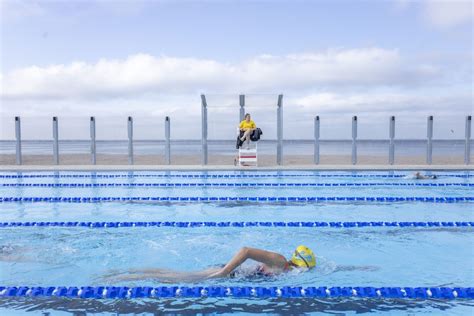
<point>335,109</point>
<point>447,14</point>
<point>421,101</point>
<point>336,83</point>
<point>141,74</point>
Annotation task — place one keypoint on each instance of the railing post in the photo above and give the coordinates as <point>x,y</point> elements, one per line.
<point>203,130</point>
<point>467,146</point>
<point>242,107</point>
<point>167,141</point>
<point>130,140</point>
<point>18,139</point>
<point>391,146</point>
<point>55,141</point>
<point>354,140</point>
<point>93,145</point>
<point>316,140</point>
<point>429,144</point>
<point>280,130</point>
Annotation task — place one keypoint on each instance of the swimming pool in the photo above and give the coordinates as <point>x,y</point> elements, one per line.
<point>377,229</point>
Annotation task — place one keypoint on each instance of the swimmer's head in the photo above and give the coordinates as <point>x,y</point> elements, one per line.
<point>303,257</point>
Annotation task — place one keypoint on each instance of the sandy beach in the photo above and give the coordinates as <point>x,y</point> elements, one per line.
<point>223,160</point>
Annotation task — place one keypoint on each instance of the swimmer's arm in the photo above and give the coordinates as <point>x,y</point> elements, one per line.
<point>269,258</point>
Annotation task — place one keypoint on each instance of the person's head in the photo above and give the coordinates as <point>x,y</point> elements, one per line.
<point>247,117</point>
<point>303,257</point>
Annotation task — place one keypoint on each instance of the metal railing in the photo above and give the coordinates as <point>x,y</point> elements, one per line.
<point>279,142</point>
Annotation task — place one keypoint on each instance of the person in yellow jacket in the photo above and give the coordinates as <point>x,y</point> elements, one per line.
<point>247,126</point>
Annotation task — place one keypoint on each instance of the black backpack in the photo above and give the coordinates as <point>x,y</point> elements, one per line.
<point>255,136</point>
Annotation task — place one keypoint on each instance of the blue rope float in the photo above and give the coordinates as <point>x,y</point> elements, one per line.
<point>224,184</point>
<point>17,176</point>
<point>240,224</point>
<point>100,199</point>
<point>115,292</point>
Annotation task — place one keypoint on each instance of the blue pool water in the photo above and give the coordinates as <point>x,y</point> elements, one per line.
<point>363,256</point>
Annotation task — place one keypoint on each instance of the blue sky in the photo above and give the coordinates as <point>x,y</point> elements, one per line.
<point>370,58</point>
<point>51,32</point>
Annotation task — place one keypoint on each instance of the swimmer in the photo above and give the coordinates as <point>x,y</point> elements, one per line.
<point>271,264</point>
<point>419,176</point>
<point>11,253</point>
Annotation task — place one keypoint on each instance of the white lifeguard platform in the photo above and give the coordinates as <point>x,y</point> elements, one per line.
<point>248,156</point>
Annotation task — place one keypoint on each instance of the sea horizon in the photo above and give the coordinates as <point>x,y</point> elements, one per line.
<point>376,147</point>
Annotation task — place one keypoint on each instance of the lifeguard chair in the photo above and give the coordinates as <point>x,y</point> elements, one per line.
<point>247,152</point>
<point>248,156</point>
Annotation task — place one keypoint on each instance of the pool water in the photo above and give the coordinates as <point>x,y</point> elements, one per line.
<point>368,256</point>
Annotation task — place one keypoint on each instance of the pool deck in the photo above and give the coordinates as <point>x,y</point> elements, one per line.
<point>230,168</point>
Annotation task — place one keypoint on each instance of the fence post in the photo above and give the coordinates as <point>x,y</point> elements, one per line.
<point>391,146</point>
<point>242,107</point>
<point>18,139</point>
<point>467,146</point>
<point>316,140</point>
<point>167,141</point>
<point>203,130</point>
<point>280,130</point>
<point>354,140</point>
<point>55,141</point>
<point>130,140</point>
<point>93,145</point>
<point>429,144</point>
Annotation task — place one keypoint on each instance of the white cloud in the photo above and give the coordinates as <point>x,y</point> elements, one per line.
<point>421,101</point>
<point>335,108</point>
<point>372,82</point>
<point>141,74</point>
<point>448,13</point>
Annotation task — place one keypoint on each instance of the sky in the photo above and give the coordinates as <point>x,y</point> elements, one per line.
<point>151,59</point>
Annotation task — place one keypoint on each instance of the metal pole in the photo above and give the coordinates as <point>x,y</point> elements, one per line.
<point>18,139</point>
<point>55,141</point>
<point>429,145</point>
<point>203,130</point>
<point>467,146</point>
<point>130,140</point>
<point>316,140</point>
<point>280,130</point>
<point>242,106</point>
<point>167,141</point>
<point>93,146</point>
<point>391,146</point>
<point>354,140</point>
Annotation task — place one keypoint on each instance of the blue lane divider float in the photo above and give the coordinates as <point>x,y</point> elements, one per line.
<point>115,292</point>
<point>212,199</point>
<point>224,184</point>
<point>241,224</point>
<point>242,175</point>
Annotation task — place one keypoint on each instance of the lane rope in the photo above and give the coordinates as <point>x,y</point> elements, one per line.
<point>224,184</point>
<point>241,224</point>
<point>123,292</point>
<point>133,175</point>
<point>100,199</point>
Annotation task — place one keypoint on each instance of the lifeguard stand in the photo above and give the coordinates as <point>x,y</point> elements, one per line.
<point>245,156</point>
<point>248,154</point>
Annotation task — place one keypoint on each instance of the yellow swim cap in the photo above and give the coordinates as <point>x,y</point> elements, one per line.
<point>303,257</point>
